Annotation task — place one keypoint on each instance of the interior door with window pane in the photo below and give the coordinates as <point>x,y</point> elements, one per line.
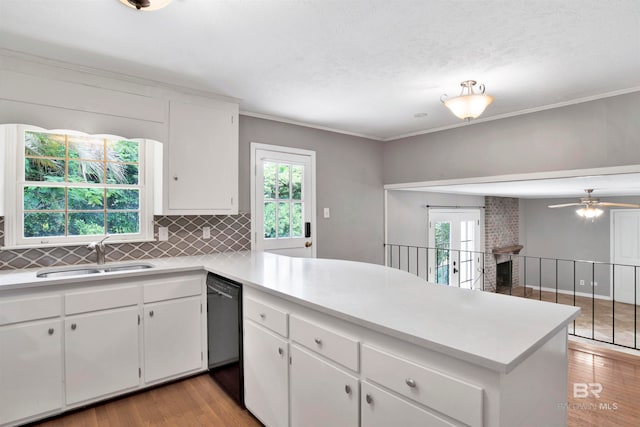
<point>454,242</point>
<point>283,203</point>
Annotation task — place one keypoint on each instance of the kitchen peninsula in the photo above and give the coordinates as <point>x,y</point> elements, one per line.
<point>395,347</point>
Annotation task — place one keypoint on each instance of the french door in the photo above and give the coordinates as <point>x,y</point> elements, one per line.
<point>454,247</point>
<point>283,199</point>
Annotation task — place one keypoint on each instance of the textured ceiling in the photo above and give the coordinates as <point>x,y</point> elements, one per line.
<point>364,67</point>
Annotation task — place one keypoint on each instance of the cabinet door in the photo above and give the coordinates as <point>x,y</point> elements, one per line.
<point>203,158</point>
<point>266,378</point>
<point>321,394</point>
<point>382,409</point>
<point>172,338</point>
<point>30,369</point>
<point>101,353</point>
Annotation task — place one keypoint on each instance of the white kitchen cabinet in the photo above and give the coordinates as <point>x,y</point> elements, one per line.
<point>30,369</point>
<point>172,338</point>
<point>101,353</point>
<point>266,379</point>
<point>321,394</point>
<point>382,409</point>
<point>202,158</point>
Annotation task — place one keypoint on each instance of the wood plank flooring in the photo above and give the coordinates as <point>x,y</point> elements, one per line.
<point>198,401</point>
<point>613,322</point>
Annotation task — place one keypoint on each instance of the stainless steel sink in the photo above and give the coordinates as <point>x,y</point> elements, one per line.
<point>126,267</point>
<point>67,272</point>
<point>83,271</point>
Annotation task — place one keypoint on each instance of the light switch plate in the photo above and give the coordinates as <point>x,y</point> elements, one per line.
<point>327,213</point>
<point>163,234</point>
<point>206,232</point>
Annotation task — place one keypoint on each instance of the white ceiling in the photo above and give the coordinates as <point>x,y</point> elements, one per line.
<point>602,185</point>
<point>360,66</point>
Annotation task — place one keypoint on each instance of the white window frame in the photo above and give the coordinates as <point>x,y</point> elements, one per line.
<point>12,160</point>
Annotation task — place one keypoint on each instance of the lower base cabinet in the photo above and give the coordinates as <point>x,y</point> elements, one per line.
<point>172,338</point>
<point>321,394</point>
<point>382,409</point>
<point>266,377</point>
<point>101,353</point>
<point>30,369</point>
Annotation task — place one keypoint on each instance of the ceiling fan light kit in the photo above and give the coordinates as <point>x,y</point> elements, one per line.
<point>591,206</point>
<point>146,5</point>
<point>469,104</point>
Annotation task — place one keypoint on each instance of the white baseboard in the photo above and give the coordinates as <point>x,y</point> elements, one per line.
<point>578,294</point>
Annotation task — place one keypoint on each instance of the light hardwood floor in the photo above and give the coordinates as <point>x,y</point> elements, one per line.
<point>597,318</point>
<point>198,401</point>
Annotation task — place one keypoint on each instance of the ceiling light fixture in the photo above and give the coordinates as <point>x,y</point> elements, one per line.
<point>590,212</point>
<point>469,104</point>
<point>147,5</point>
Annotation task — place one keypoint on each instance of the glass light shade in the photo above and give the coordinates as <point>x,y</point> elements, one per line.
<point>155,4</point>
<point>589,212</point>
<point>468,106</point>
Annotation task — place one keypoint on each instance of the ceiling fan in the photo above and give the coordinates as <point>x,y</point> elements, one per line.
<point>594,202</point>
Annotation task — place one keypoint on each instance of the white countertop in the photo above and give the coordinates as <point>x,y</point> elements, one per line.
<point>491,330</point>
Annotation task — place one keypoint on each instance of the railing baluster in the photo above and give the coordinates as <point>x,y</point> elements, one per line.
<point>574,294</point>
<point>593,300</point>
<point>613,303</point>
<point>540,279</point>
<point>635,307</point>
<point>556,281</point>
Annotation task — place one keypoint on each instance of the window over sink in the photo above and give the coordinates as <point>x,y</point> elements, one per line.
<point>64,186</point>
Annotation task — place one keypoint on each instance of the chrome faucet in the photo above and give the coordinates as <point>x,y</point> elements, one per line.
<point>99,247</point>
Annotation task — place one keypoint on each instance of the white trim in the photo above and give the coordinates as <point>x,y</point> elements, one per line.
<point>518,113</point>
<point>385,218</point>
<point>255,146</point>
<point>614,170</point>
<point>308,125</point>
<point>565,292</point>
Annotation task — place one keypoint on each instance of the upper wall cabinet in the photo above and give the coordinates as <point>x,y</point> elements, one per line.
<point>201,159</point>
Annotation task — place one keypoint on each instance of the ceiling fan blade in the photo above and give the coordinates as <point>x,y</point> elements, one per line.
<point>621,205</point>
<point>565,205</point>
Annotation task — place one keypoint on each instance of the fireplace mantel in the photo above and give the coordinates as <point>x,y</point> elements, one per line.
<point>507,250</point>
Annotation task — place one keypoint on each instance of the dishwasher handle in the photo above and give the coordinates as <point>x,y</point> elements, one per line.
<point>219,292</point>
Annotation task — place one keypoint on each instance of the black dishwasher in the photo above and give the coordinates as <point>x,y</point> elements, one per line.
<point>224,324</point>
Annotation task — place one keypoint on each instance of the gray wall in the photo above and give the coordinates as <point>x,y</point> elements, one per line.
<point>560,233</point>
<point>407,215</point>
<point>349,181</point>
<point>593,134</point>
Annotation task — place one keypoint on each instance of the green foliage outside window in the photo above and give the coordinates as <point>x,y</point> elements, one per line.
<point>103,196</point>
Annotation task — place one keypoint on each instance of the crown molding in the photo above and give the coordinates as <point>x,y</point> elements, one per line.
<point>308,125</point>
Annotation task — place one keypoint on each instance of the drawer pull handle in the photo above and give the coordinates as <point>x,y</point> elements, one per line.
<point>50,331</point>
<point>280,351</point>
<point>263,316</point>
<point>73,326</point>
<point>369,399</point>
<point>410,382</point>
<point>318,341</point>
<point>151,313</point>
<point>347,389</point>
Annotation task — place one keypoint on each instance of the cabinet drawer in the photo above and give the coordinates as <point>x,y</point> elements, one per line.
<point>382,409</point>
<point>266,315</point>
<point>450,396</point>
<point>171,289</point>
<point>23,310</point>
<point>332,345</point>
<point>86,301</point>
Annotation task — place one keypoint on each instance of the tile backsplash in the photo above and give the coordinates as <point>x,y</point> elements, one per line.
<point>229,233</point>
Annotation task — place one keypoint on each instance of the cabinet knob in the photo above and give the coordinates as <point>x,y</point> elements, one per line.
<point>151,313</point>
<point>410,382</point>
<point>50,331</point>
<point>263,316</point>
<point>347,389</point>
<point>175,177</point>
<point>73,326</point>
<point>318,341</point>
<point>280,351</point>
<point>369,399</point>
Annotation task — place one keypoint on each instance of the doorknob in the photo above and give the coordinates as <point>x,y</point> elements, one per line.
<point>455,270</point>
<point>307,244</point>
